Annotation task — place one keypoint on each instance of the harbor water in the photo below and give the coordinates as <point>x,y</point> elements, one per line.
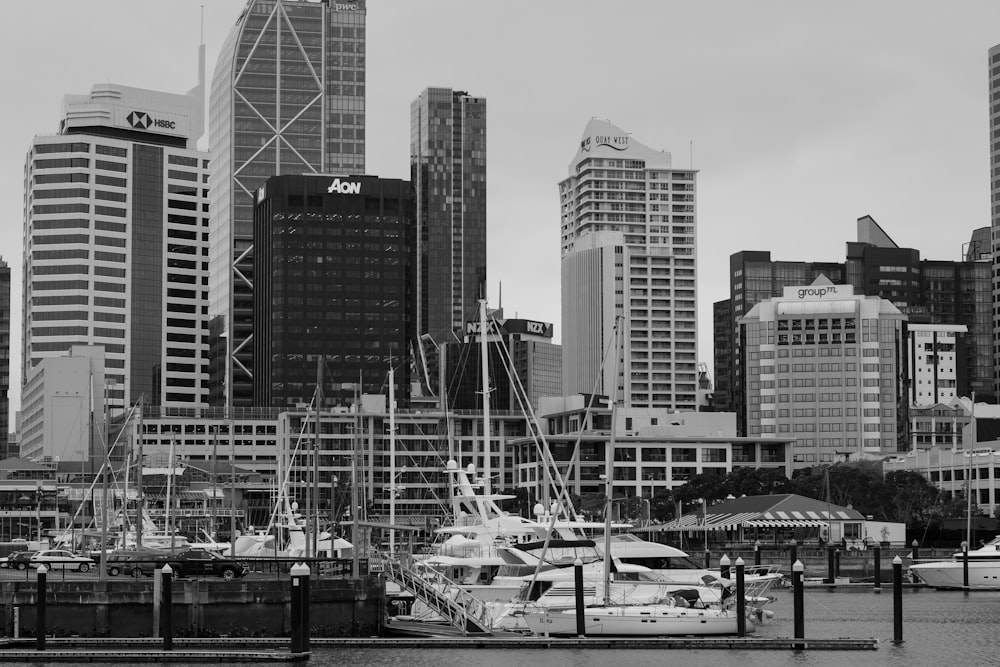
<point>939,628</point>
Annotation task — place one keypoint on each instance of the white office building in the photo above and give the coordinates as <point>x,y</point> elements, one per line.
<point>934,363</point>
<point>628,243</point>
<point>116,242</point>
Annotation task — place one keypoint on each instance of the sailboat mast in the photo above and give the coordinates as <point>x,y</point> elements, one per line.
<point>392,462</point>
<point>609,457</point>
<point>485,365</point>
<point>968,477</point>
<point>140,500</point>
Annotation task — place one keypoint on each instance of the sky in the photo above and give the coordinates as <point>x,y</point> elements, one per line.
<point>800,116</point>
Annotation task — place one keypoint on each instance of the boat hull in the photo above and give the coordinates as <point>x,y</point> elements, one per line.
<point>983,576</point>
<point>645,621</point>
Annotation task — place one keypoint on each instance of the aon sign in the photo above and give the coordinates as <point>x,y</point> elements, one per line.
<point>344,187</point>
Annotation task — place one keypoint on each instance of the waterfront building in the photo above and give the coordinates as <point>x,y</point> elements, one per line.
<point>956,469</point>
<point>628,247</point>
<point>288,97</point>
<point>524,364</point>
<point>655,449</point>
<point>333,264</point>
<point>935,367</point>
<point>927,291</point>
<point>827,367</point>
<point>116,242</point>
<point>63,407</point>
<point>448,171</point>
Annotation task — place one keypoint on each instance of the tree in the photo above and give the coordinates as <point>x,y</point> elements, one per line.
<point>755,482</point>
<point>911,498</point>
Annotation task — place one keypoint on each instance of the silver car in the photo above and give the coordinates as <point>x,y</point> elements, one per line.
<point>59,559</point>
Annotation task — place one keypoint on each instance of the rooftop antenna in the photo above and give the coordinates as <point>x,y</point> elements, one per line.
<point>500,296</point>
<point>691,155</point>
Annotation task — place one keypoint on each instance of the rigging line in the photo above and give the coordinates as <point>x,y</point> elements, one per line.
<point>576,452</point>
<point>282,490</point>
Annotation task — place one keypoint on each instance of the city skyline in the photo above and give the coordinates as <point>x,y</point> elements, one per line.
<point>801,120</point>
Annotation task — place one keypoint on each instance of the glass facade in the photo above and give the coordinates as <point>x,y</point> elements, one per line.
<point>288,97</point>
<point>335,274</point>
<point>448,170</point>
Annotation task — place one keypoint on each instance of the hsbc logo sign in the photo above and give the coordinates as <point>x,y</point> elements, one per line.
<point>344,187</point>
<point>141,120</point>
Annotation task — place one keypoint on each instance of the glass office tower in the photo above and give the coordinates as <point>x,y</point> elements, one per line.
<point>288,97</point>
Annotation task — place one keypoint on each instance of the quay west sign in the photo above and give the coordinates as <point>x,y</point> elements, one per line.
<point>618,142</point>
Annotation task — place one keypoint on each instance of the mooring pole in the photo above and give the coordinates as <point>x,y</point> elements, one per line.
<point>965,565</point>
<point>793,553</point>
<point>897,600</point>
<point>878,569</point>
<point>724,564</point>
<point>798,600</point>
<point>166,602</point>
<point>741,599</point>
<point>756,552</point>
<point>831,564</point>
<point>581,626</point>
<point>40,609</point>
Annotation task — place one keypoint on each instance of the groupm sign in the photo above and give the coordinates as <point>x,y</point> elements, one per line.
<point>818,291</point>
<point>344,187</point>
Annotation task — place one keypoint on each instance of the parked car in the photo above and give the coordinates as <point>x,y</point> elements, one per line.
<point>18,560</point>
<point>125,561</point>
<point>59,559</point>
<point>191,563</point>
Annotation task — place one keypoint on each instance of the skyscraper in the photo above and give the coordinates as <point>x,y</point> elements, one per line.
<point>629,252</point>
<point>448,171</point>
<point>333,269</point>
<point>994,115</point>
<point>4,358</point>
<point>116,243</point>
<point>288,97</point>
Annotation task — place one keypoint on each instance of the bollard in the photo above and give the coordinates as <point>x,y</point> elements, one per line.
<point>166,602</point>
<point>724,563</point>
<point>581,628</point>
<point>836,562</point>
<point>793,552</point>
<point>300,608</point>
<point>708,559</point>
<point>797,599</point>
<point>831,565</point>
<point>878,569</point>
<point>296,610</point>
<point>17,622</point>
<point>741,600</point>
<point>897,600</point>
<point>915,556</point>
<point>40,609</point>
<point>756,552</point>
<point>965,565</point>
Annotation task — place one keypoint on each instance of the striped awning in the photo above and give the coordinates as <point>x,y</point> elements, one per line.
<point>724,521</point>
<point>784,523</point>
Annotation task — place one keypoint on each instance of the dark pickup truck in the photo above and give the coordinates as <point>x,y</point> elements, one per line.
<point>189,563</point>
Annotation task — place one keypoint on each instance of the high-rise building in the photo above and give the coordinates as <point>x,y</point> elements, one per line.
<point>334,266</point>
<point>288,97</point>
<point>927,291</point>
<point>935,367</point>
<point>5,449</point>
<point>629,254</point>
<point>116,243</point>
<point>524,365</point>
<point>448,170</point>
<point>828,368</point>
<point>993,67</point>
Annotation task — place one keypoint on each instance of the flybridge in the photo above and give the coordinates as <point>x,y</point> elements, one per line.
<point>344,187</point>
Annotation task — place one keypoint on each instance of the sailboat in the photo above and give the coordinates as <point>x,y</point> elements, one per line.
<point>672,615</point>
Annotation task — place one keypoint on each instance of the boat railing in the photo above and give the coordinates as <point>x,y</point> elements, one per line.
<point>447,598</point>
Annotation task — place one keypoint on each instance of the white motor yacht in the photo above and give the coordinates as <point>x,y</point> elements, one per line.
<point>984,569</point>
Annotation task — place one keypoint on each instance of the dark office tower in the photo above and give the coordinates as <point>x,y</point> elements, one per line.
<point>722,317</point>
<point>333,263</point>
<point>448,170</point>
<point>288,97</point>
<point>994,102</point>
<point>4,357</point>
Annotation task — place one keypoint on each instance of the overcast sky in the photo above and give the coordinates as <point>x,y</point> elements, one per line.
<point>803,116</point>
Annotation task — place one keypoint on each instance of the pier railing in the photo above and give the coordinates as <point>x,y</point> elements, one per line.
<point>447,598</point>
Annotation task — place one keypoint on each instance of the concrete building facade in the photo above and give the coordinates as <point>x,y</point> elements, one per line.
<point>629,257</point>
<point>827,367</point>
<point>116,243</point>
